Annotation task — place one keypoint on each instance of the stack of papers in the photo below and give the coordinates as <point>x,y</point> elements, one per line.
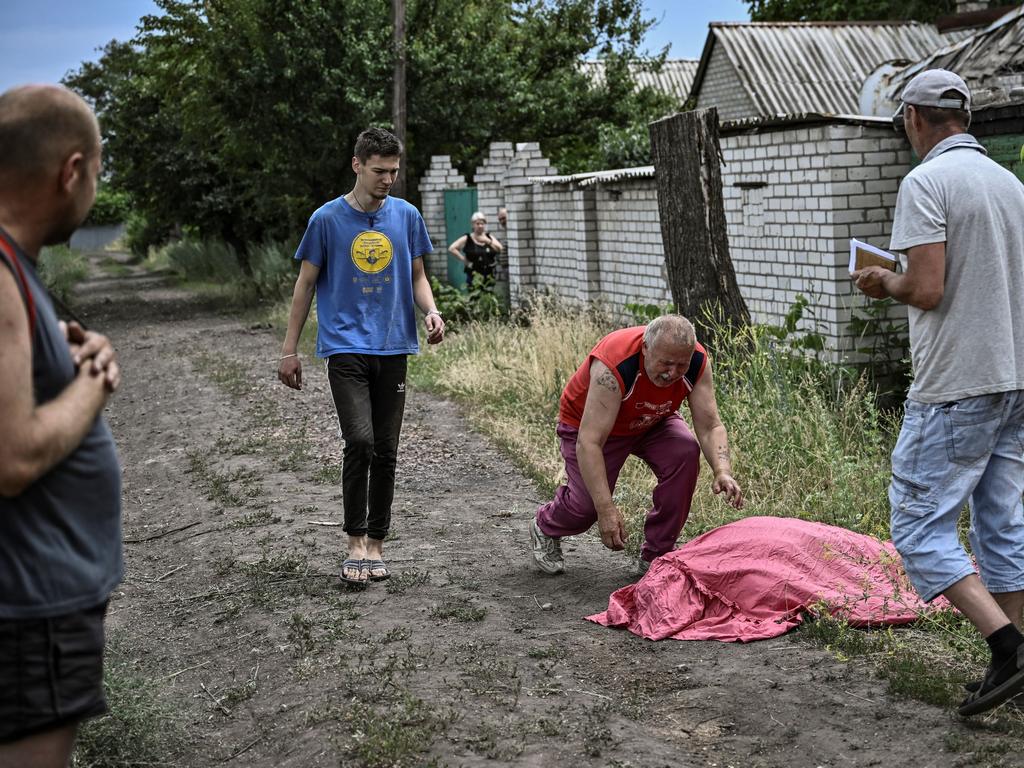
<point>866,255</point>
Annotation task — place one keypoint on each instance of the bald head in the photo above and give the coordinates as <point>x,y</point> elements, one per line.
<point>674,330</point>
<point>40,127</point>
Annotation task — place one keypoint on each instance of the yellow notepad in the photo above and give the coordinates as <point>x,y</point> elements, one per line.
<point>866,255</point>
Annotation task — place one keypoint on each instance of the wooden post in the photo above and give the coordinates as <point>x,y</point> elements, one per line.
<point>687,157</point>
<point>398,95</point>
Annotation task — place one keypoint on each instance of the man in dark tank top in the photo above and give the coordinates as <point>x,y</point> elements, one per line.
<point>60,481</point>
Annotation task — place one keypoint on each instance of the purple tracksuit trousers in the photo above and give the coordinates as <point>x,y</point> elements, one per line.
<point>668,448</point>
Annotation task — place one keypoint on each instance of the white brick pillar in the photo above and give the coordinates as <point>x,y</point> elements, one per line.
<point>440,175</point>
<point>584,201</point>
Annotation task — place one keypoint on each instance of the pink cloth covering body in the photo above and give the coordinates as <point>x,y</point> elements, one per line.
<point>753,579</point>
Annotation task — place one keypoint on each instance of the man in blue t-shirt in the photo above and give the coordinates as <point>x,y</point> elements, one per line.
<point>60,481</point>
<point>362,255</point>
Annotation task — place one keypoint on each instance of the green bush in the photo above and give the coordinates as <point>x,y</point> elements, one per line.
<point>110,207</point>
<point>210,261</point>
<point>478,303</point>
<point>143,233</point>
<point>61,269</point>
<point>273,269</point>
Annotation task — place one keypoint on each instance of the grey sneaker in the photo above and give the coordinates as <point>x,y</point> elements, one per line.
<point>642,566</point>
<point>547,550</point>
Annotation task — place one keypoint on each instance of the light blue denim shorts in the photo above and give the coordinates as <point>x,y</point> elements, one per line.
<point>970,451</point>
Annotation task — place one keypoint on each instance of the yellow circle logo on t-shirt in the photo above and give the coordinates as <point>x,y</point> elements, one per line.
<point>371,251</point>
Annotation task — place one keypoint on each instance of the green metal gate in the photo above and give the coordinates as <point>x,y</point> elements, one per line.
<point>459,205</point>
<point>1007,151</point>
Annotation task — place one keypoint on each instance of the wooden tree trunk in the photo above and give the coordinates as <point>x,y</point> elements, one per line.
<point>398,105</point>
<point>687,157</point>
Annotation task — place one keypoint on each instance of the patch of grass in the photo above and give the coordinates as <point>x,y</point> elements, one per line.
<point>400,583</point>
<point>241,446</point>
<point>551,652</point>
<point>113,267</point>
<point>142,727</point>
<point>327,474</point>
<point>277,575</point>
<point>217,486</point>
<point>399,737</point>
<point>465,581</point>
<point>61,269</point>
<point>458,609</point>
<point>929,661</point>
<point>229,375</point>
<point>395,635</point>
<point>256,519</point>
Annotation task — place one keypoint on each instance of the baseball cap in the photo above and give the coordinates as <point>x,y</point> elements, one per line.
<point>926,89</point>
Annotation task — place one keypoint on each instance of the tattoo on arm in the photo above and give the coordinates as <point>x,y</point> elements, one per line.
<point>723,457</point>
<point>607,380</point>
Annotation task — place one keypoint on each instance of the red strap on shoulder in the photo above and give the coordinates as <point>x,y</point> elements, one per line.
<point>30,305</point>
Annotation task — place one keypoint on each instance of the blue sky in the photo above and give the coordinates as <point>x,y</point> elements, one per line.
<point>41,40</point>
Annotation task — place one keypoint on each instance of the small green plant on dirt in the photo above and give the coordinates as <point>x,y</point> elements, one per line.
<point>458,609</point>
<point>301,635</point>
<point>550,652</point>
<point>395,635</point>
<point>229,375</point>
<point>327,473</point>
<point>464,580</point>
<point>234,695</point>
<point>400,583</point>
<point>256,519</point>
<point>241,446</point>
<point>142,728</point>
<point>215,485</point>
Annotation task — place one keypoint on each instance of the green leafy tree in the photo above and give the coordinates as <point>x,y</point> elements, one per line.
<point>235,119</point>
<point>856,10</point>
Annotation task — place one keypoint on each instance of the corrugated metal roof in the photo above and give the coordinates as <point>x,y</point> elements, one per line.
<point>991,61</point>
<point>776,121</point>
<point>674,78</point>
<point>597,177</point>
<point>798,67</point>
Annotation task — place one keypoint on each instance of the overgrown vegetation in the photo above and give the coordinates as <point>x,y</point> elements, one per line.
<point>808,441</point>
<point>266,272</point>
<point>61,269</point>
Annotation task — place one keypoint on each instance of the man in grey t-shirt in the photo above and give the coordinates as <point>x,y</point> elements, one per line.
<point>960,223</point>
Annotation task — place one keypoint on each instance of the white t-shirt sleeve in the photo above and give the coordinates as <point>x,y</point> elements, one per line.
<point>920,216</point>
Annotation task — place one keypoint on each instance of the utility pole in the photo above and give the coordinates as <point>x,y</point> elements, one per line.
<point>398,101</point>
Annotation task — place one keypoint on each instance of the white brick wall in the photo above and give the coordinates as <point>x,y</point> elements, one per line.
<point>440,175</point>
<point>793,197</point>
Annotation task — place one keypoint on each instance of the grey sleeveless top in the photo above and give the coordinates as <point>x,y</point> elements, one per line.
<point>60,539</point>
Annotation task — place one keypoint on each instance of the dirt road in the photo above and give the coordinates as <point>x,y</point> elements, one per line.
<point>468,656</point>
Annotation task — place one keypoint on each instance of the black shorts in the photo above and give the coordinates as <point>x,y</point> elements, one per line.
<point>51,672</point>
